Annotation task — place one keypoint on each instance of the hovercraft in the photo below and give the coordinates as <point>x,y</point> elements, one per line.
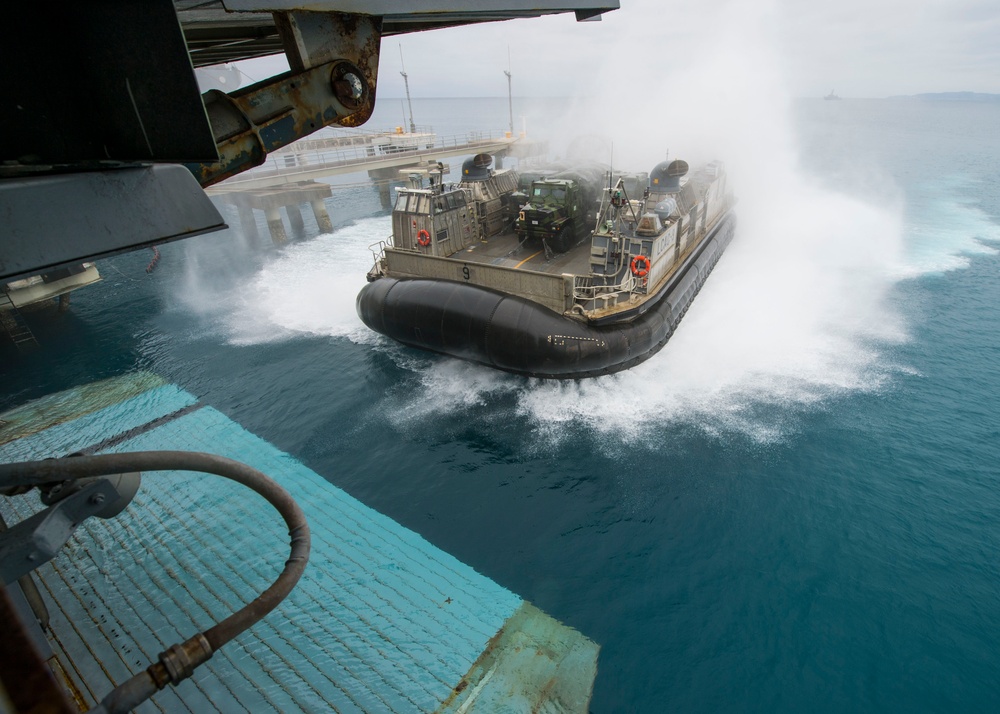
<point>553,276</point>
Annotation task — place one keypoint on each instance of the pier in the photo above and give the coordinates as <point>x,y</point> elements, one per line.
<point>290,178</point>
<point>292,197</point>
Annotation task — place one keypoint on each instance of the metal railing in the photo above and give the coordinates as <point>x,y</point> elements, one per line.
<point>378,253</point>
<point>348,150</point>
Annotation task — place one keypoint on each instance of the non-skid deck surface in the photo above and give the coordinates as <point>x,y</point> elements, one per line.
<point>382,621</point>
<point>504,251</point>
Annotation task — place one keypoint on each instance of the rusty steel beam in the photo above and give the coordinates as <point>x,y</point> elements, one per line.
<point>26,681</point>
<point>334,61</point>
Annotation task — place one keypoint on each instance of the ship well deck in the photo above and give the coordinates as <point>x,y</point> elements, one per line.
<point>382,621</point>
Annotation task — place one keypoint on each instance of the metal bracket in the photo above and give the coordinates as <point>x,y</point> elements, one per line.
<point>334,60</point>
<point>37,539</point>
<point>101,213</point>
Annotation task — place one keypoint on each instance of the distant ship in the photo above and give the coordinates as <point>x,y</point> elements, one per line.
<point>831,95</point>
<point>540,276</point>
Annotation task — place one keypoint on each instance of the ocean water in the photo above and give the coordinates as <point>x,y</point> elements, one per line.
<point>794,506</point>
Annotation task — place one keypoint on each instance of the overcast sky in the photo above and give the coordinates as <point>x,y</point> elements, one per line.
<point>859,48</point>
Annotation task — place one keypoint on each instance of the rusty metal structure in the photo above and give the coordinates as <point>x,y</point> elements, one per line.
<point>109,98</point>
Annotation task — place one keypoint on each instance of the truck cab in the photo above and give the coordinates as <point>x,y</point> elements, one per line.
<point>555,215</point>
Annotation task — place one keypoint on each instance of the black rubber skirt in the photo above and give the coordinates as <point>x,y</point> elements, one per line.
<point>517,335</point>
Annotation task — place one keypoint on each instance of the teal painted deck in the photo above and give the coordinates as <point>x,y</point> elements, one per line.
<point>382,621</point>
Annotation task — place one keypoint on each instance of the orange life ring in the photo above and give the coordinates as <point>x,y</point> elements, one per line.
<point>640,272</point>
<point>423,237</point>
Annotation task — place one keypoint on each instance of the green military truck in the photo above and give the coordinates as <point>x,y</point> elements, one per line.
<point>560,208</point>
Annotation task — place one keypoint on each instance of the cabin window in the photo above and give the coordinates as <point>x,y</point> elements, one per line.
<point>543,192</point>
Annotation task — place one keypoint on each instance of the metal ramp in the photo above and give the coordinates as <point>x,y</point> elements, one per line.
<point>14,323</point>
<point>382,621</point>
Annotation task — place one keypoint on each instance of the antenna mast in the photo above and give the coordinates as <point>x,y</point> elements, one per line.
<point>510,100</point>
<point>611,165</point>
<point>406,83</point>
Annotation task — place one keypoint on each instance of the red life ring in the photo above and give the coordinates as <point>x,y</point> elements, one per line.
<point>423,237</point>
<point>640,272</point>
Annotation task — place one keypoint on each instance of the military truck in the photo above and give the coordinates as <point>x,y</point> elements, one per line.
<point>561,208</point>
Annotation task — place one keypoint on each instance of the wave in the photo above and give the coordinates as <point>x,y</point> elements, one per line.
<point>945,227</point>
<point>307,289</point>
<point>794,313</point>
<point>798,312</point>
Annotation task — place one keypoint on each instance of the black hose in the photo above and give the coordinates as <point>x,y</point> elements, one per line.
<point>179,661</point>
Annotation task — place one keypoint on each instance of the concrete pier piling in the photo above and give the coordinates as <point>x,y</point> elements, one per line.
<point>295,220</point>
<point>248,224</point>
<point>383,178</point>
<point>292,197</point>
<point>322,216</point>
<point>275,226</point>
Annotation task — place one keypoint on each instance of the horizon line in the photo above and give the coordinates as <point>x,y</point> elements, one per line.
<point>796,96</point>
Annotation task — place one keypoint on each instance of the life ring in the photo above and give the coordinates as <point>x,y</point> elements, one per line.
<point>423,237</point>
<point>640,266</point>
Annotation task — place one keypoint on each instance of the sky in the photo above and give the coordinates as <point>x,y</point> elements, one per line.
<point>857,48</point>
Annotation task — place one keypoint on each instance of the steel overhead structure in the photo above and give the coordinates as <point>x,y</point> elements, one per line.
<point>104,120</point>
<point>221,31</point>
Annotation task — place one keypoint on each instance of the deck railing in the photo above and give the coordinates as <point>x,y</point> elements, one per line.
<point>362,149</point>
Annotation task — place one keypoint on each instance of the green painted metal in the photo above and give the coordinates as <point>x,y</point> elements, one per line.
<point>381,621</point>
<point>533,664</point>
<point>39,415</point>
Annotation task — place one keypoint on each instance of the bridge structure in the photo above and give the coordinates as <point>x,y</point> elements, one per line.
<point>290,178</point>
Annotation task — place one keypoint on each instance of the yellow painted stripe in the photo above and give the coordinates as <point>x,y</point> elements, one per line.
<point>526,260</point>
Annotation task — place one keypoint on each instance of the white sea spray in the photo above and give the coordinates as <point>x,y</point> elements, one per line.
<point>798,312</point>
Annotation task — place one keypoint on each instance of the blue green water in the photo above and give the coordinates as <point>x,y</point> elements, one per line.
<point>794,506</point>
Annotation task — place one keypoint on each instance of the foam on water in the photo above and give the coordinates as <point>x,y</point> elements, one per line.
<point>796,310</point>
<point>944,227</point>
<point>796,313</point>
<point>308,289</point>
